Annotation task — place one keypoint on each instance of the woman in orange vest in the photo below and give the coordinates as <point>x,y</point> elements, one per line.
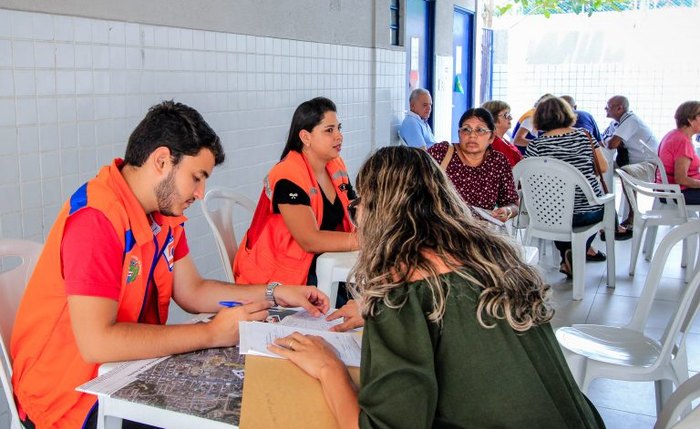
<point>302,210</point>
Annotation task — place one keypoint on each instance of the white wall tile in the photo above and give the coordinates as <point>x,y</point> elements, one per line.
<point>28,139</point>
<point>65,82</point>
<point>100,56</point>
<point>48,137</point>
<point>8,141</point>
<point>43,26</point>
<point>65,55</point>
<point>26,111</point>
<point>132,34</point>
<point>9,170</point>
<point>160,36</point>
<point>7,112</point>
<point>100,31</point>
<point>47,110</point>
<point>5,53</point>
<point>63,28</point>
<point>22,25</point>
<point>32,222</point>
<point>83,30</point>
<point>83,56</point>
<point>9,195</point>
<point>83,82</point>
<point>11,224</point>
<point>23,53</point>
<point>69,162</point>
<point>85,108</point>
<point>6,23</point>
<point>116,31</point>
<point>7,84</point>
<point>25,83</point>
<point>45,82</point>
<point>86,140</point>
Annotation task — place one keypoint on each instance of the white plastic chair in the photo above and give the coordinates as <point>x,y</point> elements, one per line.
<point>331,268</point>
<point>12,284</point>
<point>218,208</point>
<point>671,214</point>
<point>678,403</point>
<point>626,353</point>
<point>548,187</point>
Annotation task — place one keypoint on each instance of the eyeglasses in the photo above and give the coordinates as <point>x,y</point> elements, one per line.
<point>467,131</point>
<point>505,115</point>
<point>352,210</point>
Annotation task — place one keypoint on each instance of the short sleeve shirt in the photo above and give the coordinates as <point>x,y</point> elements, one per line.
<point>92,256</point>
<point>631,130</point>
<point>488,186</point>
<point>674,145</point>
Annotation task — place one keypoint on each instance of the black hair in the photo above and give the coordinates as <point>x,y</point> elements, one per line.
<point>306,117</point>
<point>480,113</point>
<point>176,126</point>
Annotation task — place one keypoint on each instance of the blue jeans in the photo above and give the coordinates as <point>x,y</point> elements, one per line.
<point>581,219</point>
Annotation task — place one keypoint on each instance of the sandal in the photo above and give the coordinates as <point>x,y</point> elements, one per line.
<point>598,257</point>
<point>566,266</point>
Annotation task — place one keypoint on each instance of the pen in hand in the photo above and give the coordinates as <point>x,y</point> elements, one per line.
<point>230,304</point>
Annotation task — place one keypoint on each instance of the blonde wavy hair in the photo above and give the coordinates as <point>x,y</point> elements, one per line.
<point>408,206</point>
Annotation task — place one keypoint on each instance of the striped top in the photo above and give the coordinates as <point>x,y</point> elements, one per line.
<point>573,147</point>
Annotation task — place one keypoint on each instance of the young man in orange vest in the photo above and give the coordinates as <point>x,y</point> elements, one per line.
<point>113,260</point>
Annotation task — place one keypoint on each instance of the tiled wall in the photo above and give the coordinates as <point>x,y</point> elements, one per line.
<point>642,55</point>
<point>72,89</point>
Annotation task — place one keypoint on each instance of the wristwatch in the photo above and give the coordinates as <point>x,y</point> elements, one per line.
<point>270,292</point>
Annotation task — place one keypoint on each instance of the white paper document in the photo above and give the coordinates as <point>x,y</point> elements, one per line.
<point>303,319</point>
<point>118,377</point>
<point>486,215</point>
<point>255,336</point>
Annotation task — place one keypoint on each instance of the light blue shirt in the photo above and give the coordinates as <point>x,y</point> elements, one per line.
<point>415,131</point>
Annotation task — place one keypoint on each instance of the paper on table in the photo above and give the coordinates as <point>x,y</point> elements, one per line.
<point>486,215</point>
<point>118,377</point>
<point>255,336</point>
<point>303,319</point>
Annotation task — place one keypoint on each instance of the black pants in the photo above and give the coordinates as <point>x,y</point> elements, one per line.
<point>582,219</point>
<point>91,422</point>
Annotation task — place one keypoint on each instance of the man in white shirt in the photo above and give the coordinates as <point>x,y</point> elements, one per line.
<point>626,130</point>
<point>624,134</point>
<point>414,129</point>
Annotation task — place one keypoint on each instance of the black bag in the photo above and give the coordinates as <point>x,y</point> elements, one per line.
<point>623,156</point>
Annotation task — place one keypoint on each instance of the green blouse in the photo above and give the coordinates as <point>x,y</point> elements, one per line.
<point>416,375</point>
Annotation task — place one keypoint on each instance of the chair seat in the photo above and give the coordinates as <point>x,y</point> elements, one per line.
<point>609,344</point>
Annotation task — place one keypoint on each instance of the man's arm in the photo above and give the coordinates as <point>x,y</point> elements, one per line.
<point>613,142</point>
<point>197,295</point>
<point>101,338</point>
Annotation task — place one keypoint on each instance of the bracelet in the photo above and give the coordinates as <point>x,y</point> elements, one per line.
<point>270,292</point>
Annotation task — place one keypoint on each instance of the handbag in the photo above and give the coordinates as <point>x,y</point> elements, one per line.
<point>596,164</point>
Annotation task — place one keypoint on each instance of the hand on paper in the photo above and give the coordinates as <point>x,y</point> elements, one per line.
<point>224,326</point>
<point>310,298</point>
<point>309,352</point>
<point>350,313</point>
<point>501,213</point>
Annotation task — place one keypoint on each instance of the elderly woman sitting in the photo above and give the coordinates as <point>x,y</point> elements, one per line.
<point>481,175</point>
<point>678,155</point>
<point>500,110</point>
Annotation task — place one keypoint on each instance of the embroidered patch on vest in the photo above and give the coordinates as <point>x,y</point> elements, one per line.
<point>169,252</point>
<point>134,269</point>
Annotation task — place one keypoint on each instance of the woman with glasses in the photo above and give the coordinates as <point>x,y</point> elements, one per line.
<point>500,110</point>
<point>302,211</point>
<point>560,140</point>
<point>457,329</point>
<point>678,154</point>
<point>482,176</point>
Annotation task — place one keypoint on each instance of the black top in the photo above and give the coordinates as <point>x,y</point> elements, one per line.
<point>287,192</point>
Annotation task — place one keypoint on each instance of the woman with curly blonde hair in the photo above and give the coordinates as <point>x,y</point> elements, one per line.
<point>457,327</point>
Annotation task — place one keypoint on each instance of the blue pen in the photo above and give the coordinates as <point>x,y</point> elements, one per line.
<point>230,303</point>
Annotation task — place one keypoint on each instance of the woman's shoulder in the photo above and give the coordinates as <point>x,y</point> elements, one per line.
<point>439,150</point>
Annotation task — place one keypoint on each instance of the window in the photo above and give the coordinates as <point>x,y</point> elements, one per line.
<point>394,23</point>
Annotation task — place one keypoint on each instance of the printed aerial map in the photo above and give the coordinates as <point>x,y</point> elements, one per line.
<point>207,383</point>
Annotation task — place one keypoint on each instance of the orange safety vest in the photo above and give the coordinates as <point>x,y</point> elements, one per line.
<point>268,251</point>
<point>47,364</point>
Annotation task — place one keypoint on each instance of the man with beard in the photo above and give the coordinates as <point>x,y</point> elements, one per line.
<point>112,261</point>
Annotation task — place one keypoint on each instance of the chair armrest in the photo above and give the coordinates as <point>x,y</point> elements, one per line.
<point>603,199</point>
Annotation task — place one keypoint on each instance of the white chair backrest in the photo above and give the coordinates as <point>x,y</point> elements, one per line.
<point>634,187</point>
<point>679,401</point>
<point>401,140</point>
<point>17,261</point>
<point>218,208</point>
<point>548,187</point>
<point>653,157</point>
<point>687,304</point>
